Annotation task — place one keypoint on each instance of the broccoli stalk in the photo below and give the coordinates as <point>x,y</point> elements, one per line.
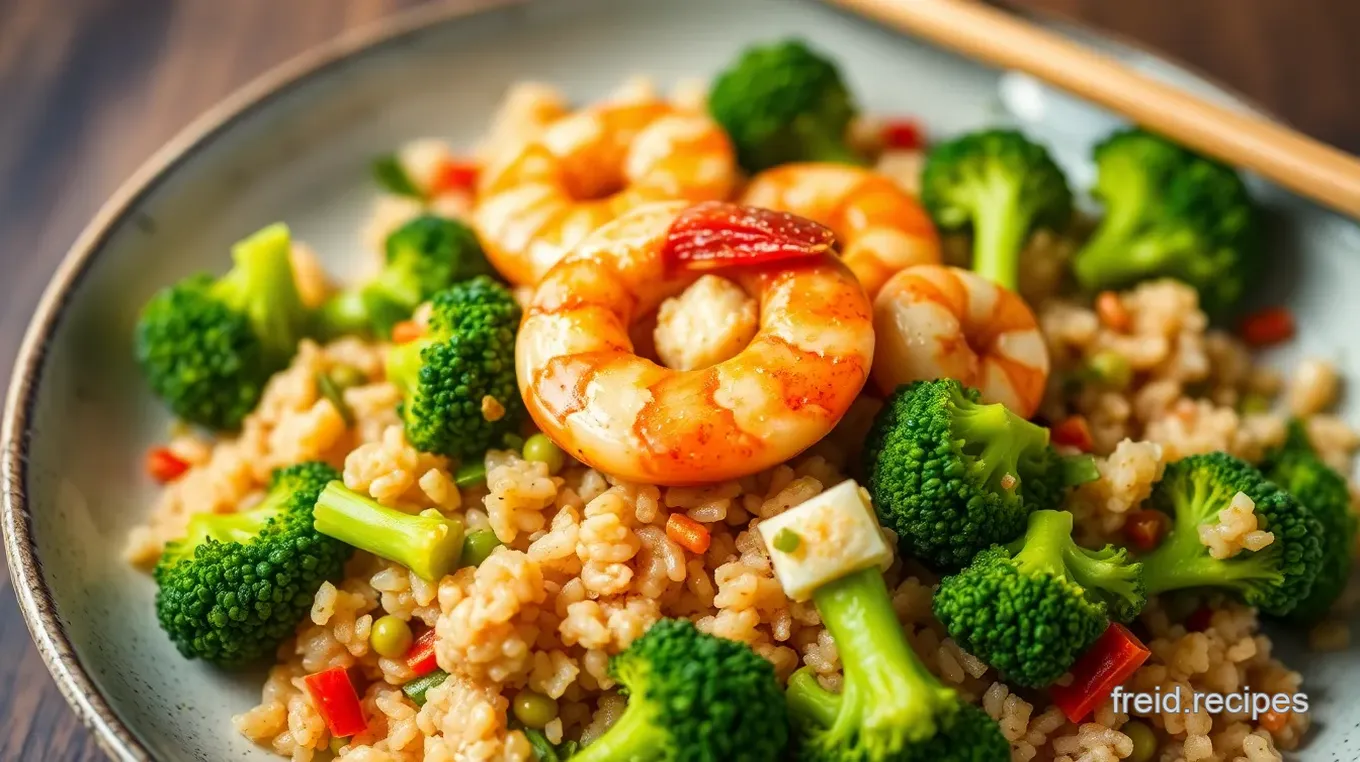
<point>427,543</point>
<point>891,708</point>
<point>424,256</point>
<point>783,103</point>
<point>235,588</point>
<point>1275,578</point>
<point>692,696</point>
<point>1002,186</point>
<point>952,476</point>
<point>208,346</point>
<point>1170,213</point>
<point>1032,607</point>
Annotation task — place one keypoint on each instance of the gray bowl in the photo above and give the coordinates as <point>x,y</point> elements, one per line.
<point>295,146</point>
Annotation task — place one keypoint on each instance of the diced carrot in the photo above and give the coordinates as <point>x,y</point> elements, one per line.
<point>1073,431</point>
<point>903,134</point>
<point>1269,326</point>
<point>1110,309</point>
<point>406,331</point>
<point>1145,529</point>
<point>337,701</point>
<point>688,533</point>
<point>1111,660</point>
<point>164,466</point>
<point>421,658</point>
<point>455,175</point>
<point>1274,721</point>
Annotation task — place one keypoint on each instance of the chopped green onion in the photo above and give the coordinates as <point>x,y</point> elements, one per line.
<point>787,540</point>
<point>327,388</point>
<point>470,474</point>
<point>390,175</point>
<point>417,688</point>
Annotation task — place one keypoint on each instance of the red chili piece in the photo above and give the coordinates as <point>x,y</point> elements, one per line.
<point>420,658</point>
<point>717,234</point>
<point>337,701</point>
<point>454,176</point>
<point>903,134</point>
<point>1111,660</point>
<point>1145,529</point>
<point>1269,326</point>
<point>164,466</point>
<point>1073,432</point>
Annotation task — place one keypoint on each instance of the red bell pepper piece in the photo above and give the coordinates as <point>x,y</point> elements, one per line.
<point>1073,432</point>
<point>1269,326</point>
<point>164,466</point>
<point>717,234</point>
<point>1111,660</point>
<point>454,176</point>
<point>420,658</point>
<point>903,134</point>
<point>1146,528</point>
<point>335,698</point>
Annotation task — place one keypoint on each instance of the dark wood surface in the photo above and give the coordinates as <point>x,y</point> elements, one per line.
<point>89,88</point>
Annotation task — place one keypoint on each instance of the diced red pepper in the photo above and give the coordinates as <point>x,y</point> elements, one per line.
<point>717,234</point>
<point>1269,326</point>
<point>453,176</point>
<point>1274,721</point>
<point>1111,311</point>
<point>1111,660</point>
<point>1145,529</point>
<point>420,658</point>
<point>336,700</point>
<point>903,135</point>
<point>1200,619</point>
<point>1073,431</point>
<point>406,331</point>
<point>164,466</point>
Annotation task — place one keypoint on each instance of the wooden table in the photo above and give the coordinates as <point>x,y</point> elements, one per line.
<point>89,88</point>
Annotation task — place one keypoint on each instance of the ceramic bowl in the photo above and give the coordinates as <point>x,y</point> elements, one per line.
<point>295,146</point>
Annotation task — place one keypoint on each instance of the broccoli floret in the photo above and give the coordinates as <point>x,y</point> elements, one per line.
<point>424,256</point>
<point>1032,607</point>
<point>239,583</point>
<point>1170,213</point>
<point>783,103</point>
<point>692,697</point>
<point>1001,185</point>
<point>208,346</point>
<point>1297,469</point>
<point>466,355</point>
<point>952,477</point>
<point>427,543</point>
<point>890,709</point>
<point>1193,491</point>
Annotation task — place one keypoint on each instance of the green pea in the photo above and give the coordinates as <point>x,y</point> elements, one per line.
<point>1112,369</point>
<point>477,546</point>
<point>543,450</point>
<point>470,474</point>
<point>1144,741</point>
<point>786,540</point>
<point>338,743</point>
<point>390,637</point>
<point>534,709</point>
<point>347,376</point>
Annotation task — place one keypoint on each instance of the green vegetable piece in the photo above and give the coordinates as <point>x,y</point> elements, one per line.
<point>1254,403</point>
<point>1171,213</point>
<point>1144,741</point>
<point>236,587</point>
<point>534,709</point>
<point>392,178</point>
<point>1274,579</point>
<point>541,449</point>
<point>478,546</point>
<point>332,394</point>
<point>390,637</point>
<point>512,441</point>
<point>207,346</point>
<point>544,751</point>
<point>346,376</point>
<point>470,474</point>
<point>417,688</point>
<point>783,103</point>
<point>1112,369</point>
<point>337,743</point>
<point>1032,607</point>
<point>692,696</point>
<point>1001,185</point>
<point>467,354</point>
<point>891,708</point>
<point>787,541</point>
<point>427,543</point>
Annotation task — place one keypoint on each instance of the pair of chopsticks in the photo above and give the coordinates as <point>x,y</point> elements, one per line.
<point>1306,166</point>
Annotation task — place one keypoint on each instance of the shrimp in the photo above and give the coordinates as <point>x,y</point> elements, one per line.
<point>933,322</point>
<point>881,228</point>
<point>624,414</point>
<point>588,168</point>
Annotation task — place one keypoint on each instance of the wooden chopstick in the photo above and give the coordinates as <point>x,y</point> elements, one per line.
<point>1297,162</point>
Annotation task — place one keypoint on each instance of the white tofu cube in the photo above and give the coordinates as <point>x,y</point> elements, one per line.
<point>837,533</point>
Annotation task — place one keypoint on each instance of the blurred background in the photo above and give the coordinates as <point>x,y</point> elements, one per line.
<point>90,88</point>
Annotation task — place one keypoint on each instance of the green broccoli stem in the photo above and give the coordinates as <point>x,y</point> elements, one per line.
<point>1046,543</point>
<point>809,701</point>
<point>1182,561</point>
<point>262,285</point>
<point>428,543</point>
<point>1006,436</point>
<point>634,736</point>
<point>999,231</point>
<point>344,314</point>
<point>888,691</point>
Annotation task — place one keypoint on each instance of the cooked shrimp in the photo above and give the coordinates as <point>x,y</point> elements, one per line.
<point>881,228</point>
<point>942,322</point>
<point>628,416</point>
<point>588,168</point>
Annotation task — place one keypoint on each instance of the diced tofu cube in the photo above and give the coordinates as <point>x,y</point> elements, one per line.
<point>833,534</point>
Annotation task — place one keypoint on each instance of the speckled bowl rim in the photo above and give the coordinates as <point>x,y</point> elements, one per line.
<point>35,598</point>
